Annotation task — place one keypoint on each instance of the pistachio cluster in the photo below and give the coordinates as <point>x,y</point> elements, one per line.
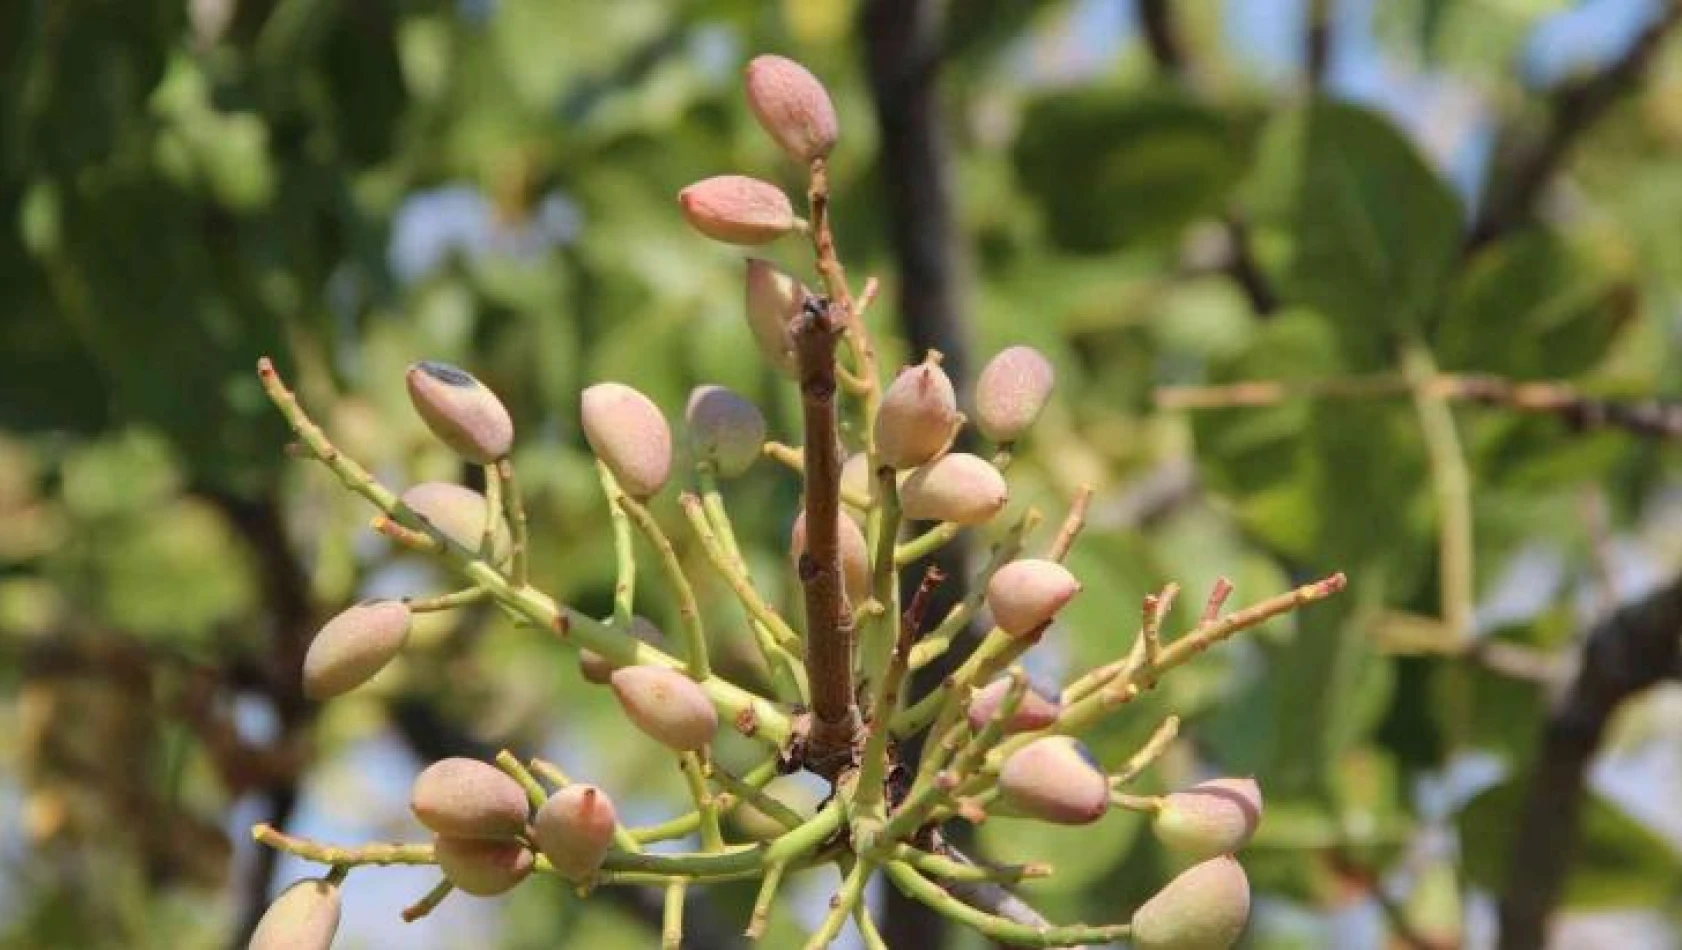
<point>836,703</point>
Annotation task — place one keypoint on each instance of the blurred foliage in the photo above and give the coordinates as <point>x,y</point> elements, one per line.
<point>350,187</point>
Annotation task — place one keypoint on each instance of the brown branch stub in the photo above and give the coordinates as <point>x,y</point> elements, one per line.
<point>829,624</point>
<point>1631,650</point>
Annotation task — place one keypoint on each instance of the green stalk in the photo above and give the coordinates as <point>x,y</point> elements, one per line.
<point>689,611</point>
<point>624,554</point>
<point>938,899</point>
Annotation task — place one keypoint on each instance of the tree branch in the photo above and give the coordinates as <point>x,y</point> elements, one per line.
<point>1316,42</point>
<point>1162,39</point>
<point>1515,186</point>
<point>1636,647</point>
<point>903,40</point>
<point>829,624</point>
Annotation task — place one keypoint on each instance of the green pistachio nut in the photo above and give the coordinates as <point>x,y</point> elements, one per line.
<point>574,829</point>
<point>627,432</point>
<point>466,798</point>
<point>736,209</point>
<point>959,487</point>
<point>792,107</point>
<point>1011,392</point>
<point>1024,595</point>
<point>1210,818</point>
<point>458,513</point>
<point>854,551</point>
<point>774,299</point>
<point>1035,711</point>
<point>667,705</point>
<point>483,867</point>
<point>304,917</point>
<point>1205,908</point>
<point>353,646</point>
<point>726,430</point>
<point>460,411</point>
<point>1053,779</point>
<point>918,416</point>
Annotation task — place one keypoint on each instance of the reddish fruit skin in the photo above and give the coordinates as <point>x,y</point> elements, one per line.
<point>958,487</point>
<point>574,829</point>
<point>1211,818</point>
<point>737,209</point>
<point>727,430</point>
<point>1024,595</point>
<point>855,555</point>
<point>1205,908</point>
<point>466,798</point>
<point>1053,780</point>
<point>792,106</point>
<point>1011,392</point>
<point>457,513</point>
<point>918,416</point>
<point>304,917</point>
<point>597,668</point>
<point>627,432</point>
<point>354,646</point>
<point>460,411</point>
<point>1033,712</point>
<point>480,866</point>
<point>668,706</point>
<point>773,300</point>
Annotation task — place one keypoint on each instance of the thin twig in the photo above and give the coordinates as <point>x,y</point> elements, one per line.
<point>1631,650</point>
<point>1516,184</point>
<point>1655,418</point>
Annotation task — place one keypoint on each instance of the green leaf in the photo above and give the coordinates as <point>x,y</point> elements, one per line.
<point>1111,167</point>
<point>1530,307</point>
<point>1618,862</point>
<point>1371,232</point>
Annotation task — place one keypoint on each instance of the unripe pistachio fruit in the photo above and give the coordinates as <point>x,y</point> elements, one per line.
<point>597,668</point>
<point>1024,595</point>
<point>460,411</point>
<point>792,106</point>
<point>304,917</point>
<point>1205,908</point>
<point>1210,818</point>
<point>1011,391</point>
<point>1053,779</point>
<point>918,416</point>
<point>727,430</point>
<point>466,798</point>
<point>854,550</point>
<point>1033,712</point>
<point>774,299</point>
<point>737,209</point>
<point>353,646</point>
<point>959,487</point>
<point>855,476</point>
<point>481,866</point>
<point>667,705</point>
<point>787,789</point>
<point>627,432</point>
<point>574,829</point>
<point>458,513</point>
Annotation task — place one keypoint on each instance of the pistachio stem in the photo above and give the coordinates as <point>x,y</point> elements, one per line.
<point>689,611</point>
<point>428,902</point>
<point>624,553</point>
